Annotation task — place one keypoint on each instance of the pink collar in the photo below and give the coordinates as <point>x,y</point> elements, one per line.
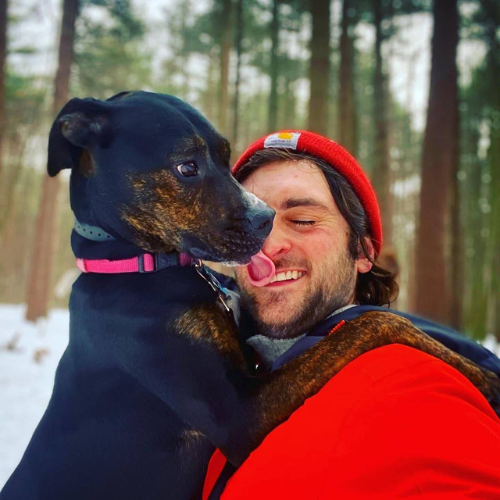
<point>149,263</point>
<point>145,263</point>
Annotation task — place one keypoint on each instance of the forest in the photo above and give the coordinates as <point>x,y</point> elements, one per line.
<point>411,88</point>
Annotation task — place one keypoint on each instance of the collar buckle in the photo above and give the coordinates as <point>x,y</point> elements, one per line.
<point>153,258</point>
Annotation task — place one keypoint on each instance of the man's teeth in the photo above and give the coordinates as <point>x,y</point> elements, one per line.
<point>289,275</point>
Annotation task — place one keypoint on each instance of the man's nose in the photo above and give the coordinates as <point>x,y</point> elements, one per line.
<point>277,243</point>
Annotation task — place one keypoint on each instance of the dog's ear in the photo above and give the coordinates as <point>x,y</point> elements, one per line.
<point>80,124</point>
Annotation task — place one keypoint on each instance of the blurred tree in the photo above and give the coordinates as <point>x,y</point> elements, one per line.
<point>405,162</point>
<point>23,99</point>
<point>382,15</point>
<point>283,65</point>
<point>239,50</point>
<point>439,158</point>
<point>39,281</point>
<point>204,34</point>
<point>347,117</point>
<point>3,58</point>
<point>274,69</point>
<point>184,33</point>
<point>209,34</point>
<point>381,173</point>
<point>477,174</point>
<point>20,182</point>
<point>363,90</point>
<point>457,255</point>
<point>225,44</point>
<point>319,69</point>
<point>109,50</point>
<point>489,15</point>
<point>24,105</point>
<point>405,153</point>
<point>473,170</point>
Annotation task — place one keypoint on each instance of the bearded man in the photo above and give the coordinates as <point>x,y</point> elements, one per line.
<point>395,422</point>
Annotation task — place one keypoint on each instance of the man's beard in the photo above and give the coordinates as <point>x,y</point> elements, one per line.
<point>335,289</point>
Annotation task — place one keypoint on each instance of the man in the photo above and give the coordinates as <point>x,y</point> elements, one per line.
<point>395,422</point>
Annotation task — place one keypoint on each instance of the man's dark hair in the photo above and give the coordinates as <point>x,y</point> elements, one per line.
<point>377,286</point>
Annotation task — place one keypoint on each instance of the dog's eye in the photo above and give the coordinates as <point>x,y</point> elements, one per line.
<point>187,169</point>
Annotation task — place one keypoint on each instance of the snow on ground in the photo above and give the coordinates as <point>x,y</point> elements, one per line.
<point>26,384</point>
<point>491,343</point>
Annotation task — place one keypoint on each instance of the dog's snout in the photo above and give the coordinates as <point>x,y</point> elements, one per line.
<point>260,220</point>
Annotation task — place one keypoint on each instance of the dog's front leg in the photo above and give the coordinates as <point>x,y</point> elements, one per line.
<point>277,395</point>
<point>195,366</point>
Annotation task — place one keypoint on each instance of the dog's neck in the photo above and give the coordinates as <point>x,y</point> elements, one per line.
<point>92,242</point>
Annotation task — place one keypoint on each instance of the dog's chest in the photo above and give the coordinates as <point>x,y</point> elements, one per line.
<point>193,446</point>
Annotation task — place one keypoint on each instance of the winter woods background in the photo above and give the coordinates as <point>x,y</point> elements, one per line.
<point>410,87</point>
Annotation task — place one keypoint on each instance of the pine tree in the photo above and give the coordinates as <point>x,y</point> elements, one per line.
<point>347,117</point>
<point>381,177</point>
<point>3,58</point>
<point>439,158</point>
<point>39,282</point>
<point>319,69</point>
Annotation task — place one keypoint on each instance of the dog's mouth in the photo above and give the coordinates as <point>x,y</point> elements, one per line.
<point>232,247</point>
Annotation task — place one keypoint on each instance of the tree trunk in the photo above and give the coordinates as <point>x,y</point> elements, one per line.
<point>239,38</point>
<point>381,177</point>
<point>225,51</point>
<point>39,281</point>
<point>289,107</point>
<point>347,126</point>
<point>319,69</point>
<point>273,70</point>
<point>475,300</point>
<point>211,92</point>
<point>439,160</point>
<point>494,233</point>
<point>457,253</point>
<point>493,240</point>
<point>3,58</point>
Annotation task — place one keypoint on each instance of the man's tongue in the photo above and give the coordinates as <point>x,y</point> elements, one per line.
<point>261,270</point>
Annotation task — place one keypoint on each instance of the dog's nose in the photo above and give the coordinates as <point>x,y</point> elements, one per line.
<point>259,220</point>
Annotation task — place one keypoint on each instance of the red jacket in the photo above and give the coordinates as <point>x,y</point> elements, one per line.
<point>395,423</point>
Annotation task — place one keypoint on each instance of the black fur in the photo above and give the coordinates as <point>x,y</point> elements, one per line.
<point>137,407</point>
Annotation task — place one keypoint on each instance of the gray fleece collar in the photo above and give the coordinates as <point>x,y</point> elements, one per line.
<point>269,349</point>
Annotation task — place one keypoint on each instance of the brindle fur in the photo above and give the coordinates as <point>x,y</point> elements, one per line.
<point>286,389</point>
<point>274,397</point>
<point>208,323</point>
<point>86,163</point>
<point>163,210</point>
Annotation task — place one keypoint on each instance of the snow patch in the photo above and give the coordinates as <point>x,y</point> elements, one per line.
<point>26,377</point>
<point>491,343</point>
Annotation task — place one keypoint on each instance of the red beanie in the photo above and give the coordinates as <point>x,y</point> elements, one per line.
<point>303,141</point>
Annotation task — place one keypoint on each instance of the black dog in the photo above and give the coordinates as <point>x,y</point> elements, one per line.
<point>153,377</point>
<point>139,374</point>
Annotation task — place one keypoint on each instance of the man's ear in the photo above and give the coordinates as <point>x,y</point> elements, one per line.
<point>363,263</point>
<point>80,124</point>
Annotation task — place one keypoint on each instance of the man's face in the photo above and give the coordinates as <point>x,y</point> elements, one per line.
<point>308,243</point>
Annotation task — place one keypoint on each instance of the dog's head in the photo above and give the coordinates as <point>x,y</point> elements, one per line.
<point>150,169</point>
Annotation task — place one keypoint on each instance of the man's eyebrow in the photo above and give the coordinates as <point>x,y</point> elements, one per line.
<point>301,202</point>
